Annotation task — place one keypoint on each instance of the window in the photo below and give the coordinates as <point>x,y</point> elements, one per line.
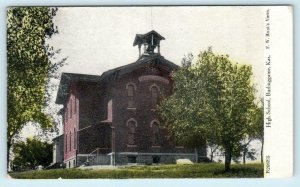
<point>131,94</point>
<point>156,159</point>
<point>130,90</point>
<point>155,95</point>
<point>71,107</point>
<point>155,133</point>
<point>66,143</point>
<point>70,146</point>
<point>109,110</point>
<point>131,131</point>
<point>131,159</point>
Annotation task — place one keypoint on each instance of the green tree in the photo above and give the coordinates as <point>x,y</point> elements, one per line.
<point>32,153</point>
<point>29,67</point>
<point>187,60</point>
<point>246,151</point>
<point>212,100</point>
<point>213,149</point>
<point>258,130</point>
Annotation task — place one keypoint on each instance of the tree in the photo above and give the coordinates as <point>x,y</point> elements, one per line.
<point>213,149</point>
<point>187,60</point>
<point>245,151</point>
<point>29,67</point>
<point>259,126</point>
<point>32,153</point>
<point>212,100</point>
<point>256,132</point>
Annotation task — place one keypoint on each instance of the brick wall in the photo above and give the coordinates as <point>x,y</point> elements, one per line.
<point>71,117</point>
<point>143,111</point>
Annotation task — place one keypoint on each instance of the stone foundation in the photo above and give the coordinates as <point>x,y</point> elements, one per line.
<point>134,158</point>
<point>71,163</point>
<point>93,160</point>
<point>151,158</point>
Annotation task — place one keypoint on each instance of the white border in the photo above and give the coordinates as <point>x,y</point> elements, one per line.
<point>278,128</point>
<point>4,181</point>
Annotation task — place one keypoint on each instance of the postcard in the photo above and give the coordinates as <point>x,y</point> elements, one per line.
<point>150,92</point>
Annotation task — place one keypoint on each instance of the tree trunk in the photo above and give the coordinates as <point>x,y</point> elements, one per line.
<point>244,157</point>
<point>228,157</point>
<point>211,154</point>
<point>262,151</point>
<point>7,155</point>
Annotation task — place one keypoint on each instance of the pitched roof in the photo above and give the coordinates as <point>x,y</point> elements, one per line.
<point>139,37</point>
<point>64,84</point>
<point>111,75</point>
<point>58,137</point>
<point>144,59</point>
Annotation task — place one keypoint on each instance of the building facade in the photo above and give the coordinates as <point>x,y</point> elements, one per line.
<point>112,118</point>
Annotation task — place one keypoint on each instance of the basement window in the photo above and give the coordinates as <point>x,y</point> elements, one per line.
<point>131,159</point>
<point>156,159</point>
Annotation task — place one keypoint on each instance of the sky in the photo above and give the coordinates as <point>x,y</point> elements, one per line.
<point>96,39</point>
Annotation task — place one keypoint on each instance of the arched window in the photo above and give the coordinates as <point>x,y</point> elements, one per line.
<point>155,95</point>
<point>130,94</point>
<point>131,131</point>
<point>130,90</point>
<point>155,133</point>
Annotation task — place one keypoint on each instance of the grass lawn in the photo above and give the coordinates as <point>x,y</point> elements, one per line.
<point>207,170</point>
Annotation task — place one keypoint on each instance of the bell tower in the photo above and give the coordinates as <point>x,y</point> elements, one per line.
<point>149,42</point>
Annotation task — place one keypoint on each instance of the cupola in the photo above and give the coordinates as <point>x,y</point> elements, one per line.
<point>149,42</point>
